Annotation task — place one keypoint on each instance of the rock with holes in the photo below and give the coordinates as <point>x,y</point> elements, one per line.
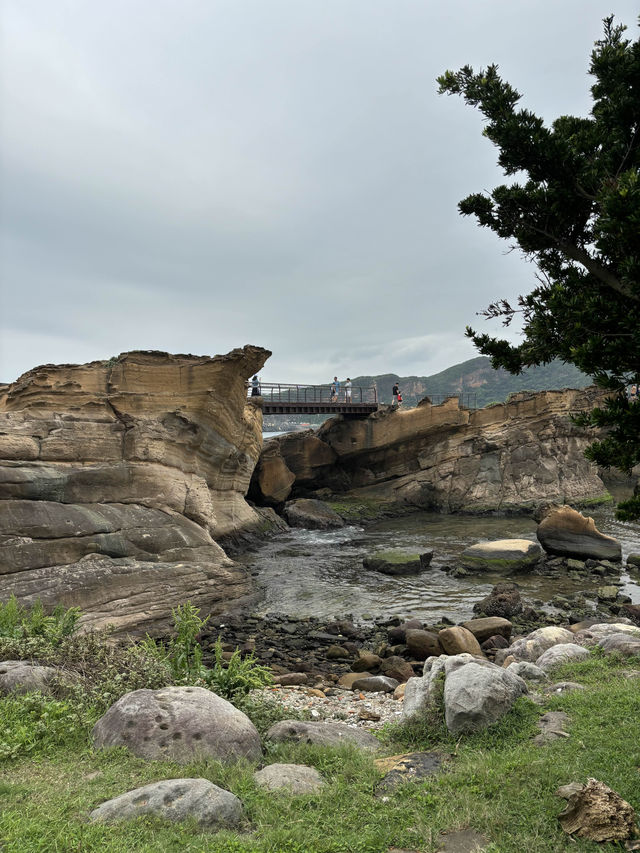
<point>323,734</point>
<point>293,778</point>
<point>175,799</point>
<point>178,723</point>
<point>596,812</point>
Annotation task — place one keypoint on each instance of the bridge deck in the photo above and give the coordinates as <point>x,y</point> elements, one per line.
<point>285,408</point>
<point>285,399</point>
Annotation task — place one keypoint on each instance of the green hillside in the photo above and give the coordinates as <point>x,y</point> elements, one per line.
<point>477,379</point>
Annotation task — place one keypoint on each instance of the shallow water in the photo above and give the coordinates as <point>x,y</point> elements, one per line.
<point>320,573</point>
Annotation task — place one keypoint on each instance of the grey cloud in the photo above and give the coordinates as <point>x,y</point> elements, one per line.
<point>194,176</point>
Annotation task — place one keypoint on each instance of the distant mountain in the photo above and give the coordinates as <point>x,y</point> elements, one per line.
<point>477,380</point>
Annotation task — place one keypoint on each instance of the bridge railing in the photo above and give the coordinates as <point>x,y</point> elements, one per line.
<point>281,392</point>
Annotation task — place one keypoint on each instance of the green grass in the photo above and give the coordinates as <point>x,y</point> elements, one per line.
<point>358,509</point>
<point>497,782</point>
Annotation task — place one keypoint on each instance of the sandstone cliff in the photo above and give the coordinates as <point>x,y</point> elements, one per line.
<point>510,456</point>
<point>117,477</point>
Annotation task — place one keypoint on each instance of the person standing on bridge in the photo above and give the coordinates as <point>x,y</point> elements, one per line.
<point>335,390</point>
<point>396,394</point>
<point>255,387</point>
<point>347,390</point>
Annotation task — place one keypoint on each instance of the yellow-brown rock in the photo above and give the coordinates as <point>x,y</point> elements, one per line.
<point>117,477</point>
<point>515,455</point>
<point>458,640</point>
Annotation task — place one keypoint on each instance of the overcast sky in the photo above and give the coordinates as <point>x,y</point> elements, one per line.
<point>196,175</point>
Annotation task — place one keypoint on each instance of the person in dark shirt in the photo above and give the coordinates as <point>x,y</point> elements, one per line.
<point>395,391</point>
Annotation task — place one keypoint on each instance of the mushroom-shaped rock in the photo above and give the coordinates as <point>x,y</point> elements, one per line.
<point>178,723</point>
<point>175,799</point>
<point>294,778</point>
<point>562,653</point>
<point>323,734</point>
<point>503,555</point>
<point>312,514</point>
<point>568,533</point>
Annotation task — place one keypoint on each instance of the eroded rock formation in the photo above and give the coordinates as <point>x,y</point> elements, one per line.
<point>510,456</point>
<point>118,477</point>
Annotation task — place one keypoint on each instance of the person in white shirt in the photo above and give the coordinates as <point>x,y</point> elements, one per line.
<point>347,390</point>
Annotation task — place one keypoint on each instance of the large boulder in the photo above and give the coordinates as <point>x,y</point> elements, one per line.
<point>568,533</point>
<point>322,734</point>
<point>475,694</point>
<point>211,807</point>
<point>503,555</point>
<point>312,514</point>
<point>178,723</point>
<point>118,478</point>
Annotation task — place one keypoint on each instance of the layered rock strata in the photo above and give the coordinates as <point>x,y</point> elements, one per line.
<point>118,477</point>
<point>510,456</point>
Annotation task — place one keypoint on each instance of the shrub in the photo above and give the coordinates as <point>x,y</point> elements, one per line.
<point>19,622</point>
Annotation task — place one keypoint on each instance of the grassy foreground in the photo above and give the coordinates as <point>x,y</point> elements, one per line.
<point>497,782</point>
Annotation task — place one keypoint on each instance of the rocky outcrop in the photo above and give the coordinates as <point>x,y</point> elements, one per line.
<point>117,478</point>
<point>565,532</point>
<point>509,456</point>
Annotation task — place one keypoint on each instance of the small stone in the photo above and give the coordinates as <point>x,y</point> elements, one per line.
<point>295,778</point>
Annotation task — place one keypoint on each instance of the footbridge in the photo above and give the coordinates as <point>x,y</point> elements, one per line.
<point>280,398</point>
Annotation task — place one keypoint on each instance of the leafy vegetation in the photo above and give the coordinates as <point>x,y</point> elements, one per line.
<point>183,655</point>
<point>496,782</point>
<point>577,216</point>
